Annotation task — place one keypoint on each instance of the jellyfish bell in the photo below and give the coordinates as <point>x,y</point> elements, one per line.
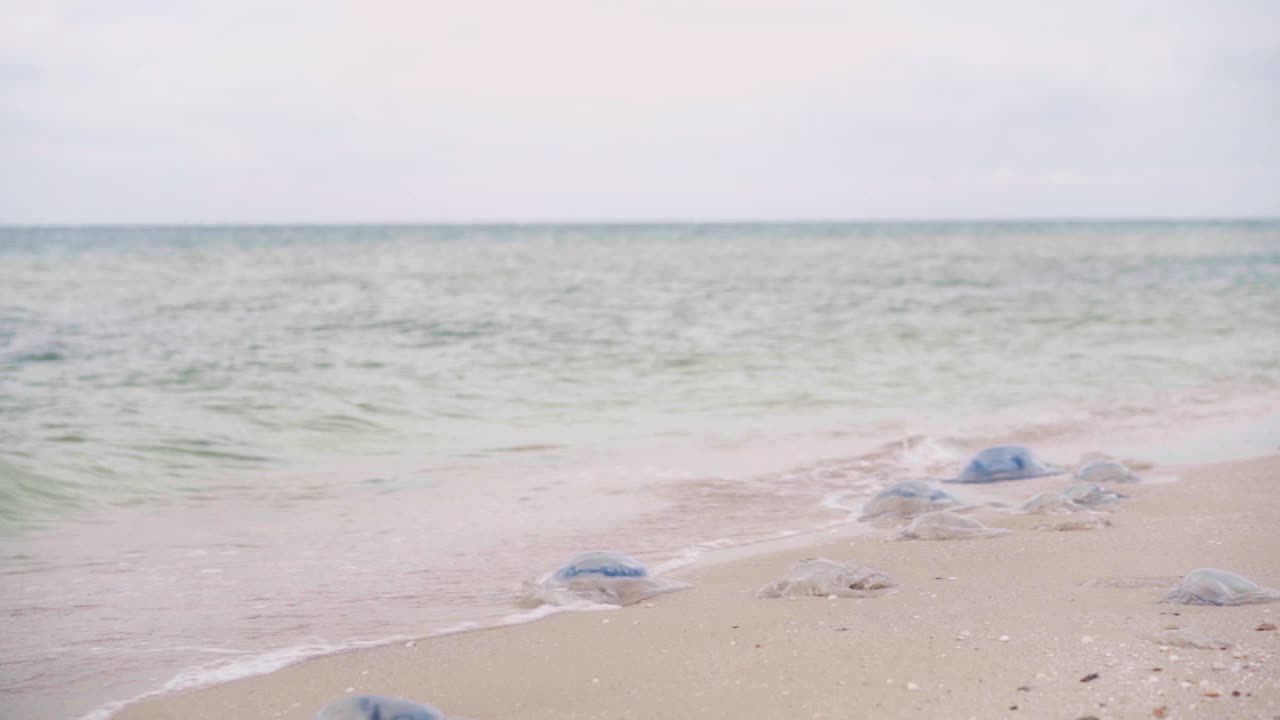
<point>825,578</point>
<point>1052,503</point>
<point>1005,462</point>
<point>1091,495</point>
<point>597,578</point>
<point>907,499</point>
<point>606,564</point>
<point>1210,586</point>
<point>1108,471</point>
<point>947,525</point>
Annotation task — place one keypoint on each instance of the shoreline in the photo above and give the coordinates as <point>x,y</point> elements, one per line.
<point>1018,614</point>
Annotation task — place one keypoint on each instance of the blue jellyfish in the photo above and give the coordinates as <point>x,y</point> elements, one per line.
<point>607,564</point>
<point>597,578</point>
<point>1004,462</point>
<point>378,707</point>
<point>1209,586</point>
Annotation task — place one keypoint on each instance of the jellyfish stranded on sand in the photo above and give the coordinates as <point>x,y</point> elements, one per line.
<point>378,707</point>
<point>1089,521</point>
<point>946,525</point>
<point>1209,586</point>
<point>824,578</point>
<point>1108,471</point>
<point>1091,495</point>
<point>907,499</point>
<point>1052,503</point>
<point>597,578</point>
<point>1005,462</point>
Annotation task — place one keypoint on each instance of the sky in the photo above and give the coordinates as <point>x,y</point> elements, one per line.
<point>318,111</point>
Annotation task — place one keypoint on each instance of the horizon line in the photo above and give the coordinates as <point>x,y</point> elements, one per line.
<point>994,220</point>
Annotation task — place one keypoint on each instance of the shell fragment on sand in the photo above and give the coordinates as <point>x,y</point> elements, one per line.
<point>907,499</point>
<point>378,707</point>
<point>826,578</point>
<point>1107,471</point>
<point>597,578</point>
<point>946,525</point>
<point>1209,586</point>
<point>1004,462</point>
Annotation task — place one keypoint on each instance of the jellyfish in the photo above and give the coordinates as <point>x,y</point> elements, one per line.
<point>1088,521</point>
<point>597,578</point>
<point>907,499</point>
<point>1108,471</point>
<point>378,707</point>
<point>1091,495</point>
<point>1187,638</point>
<point>946,525</point>
<point>1209,586</point>
<point>1052,503</point>
<point>823,577</point>
<point>1004,462</point>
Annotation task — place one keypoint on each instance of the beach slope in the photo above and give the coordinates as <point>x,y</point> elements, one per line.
<point>1020,625</point>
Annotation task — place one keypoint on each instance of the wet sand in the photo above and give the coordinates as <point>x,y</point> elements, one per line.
<point>1008,626</point>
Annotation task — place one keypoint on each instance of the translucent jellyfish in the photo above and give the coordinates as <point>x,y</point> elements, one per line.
<point>823,577</point>
<point>1208,586</point>
<point>1108,471</point>
<point>1052,503</point>
<point>1004,462</point>
<point>1089,521</point>
<point>1187,638</point>
<point>378,707</point>
<point>907,499</point>
<point>946,525</point>
<point>1091,495</point>
<point>597,578</point>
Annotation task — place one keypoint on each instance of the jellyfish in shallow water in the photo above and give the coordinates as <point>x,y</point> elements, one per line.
<point>907,499</point>
<point>946,525</point>
<point>378,707</point>
<point>823,577</point>
<point>606,564</point>
<point>1108,471</point>
<point>1004,462</point>
<point>597,578</point>
<point>1208,586</point>
<point>1091,495</point>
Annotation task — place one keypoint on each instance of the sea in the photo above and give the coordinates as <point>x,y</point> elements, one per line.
<point>227,449</point>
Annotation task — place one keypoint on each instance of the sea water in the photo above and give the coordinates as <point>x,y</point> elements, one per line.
<point>223,449</point>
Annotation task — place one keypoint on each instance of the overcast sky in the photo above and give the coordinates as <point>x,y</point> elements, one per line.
<point>472,110</point>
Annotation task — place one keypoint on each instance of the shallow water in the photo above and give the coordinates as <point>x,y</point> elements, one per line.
<point>225,448</point>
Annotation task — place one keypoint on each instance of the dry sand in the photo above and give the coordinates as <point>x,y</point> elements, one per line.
<point>988,628</point>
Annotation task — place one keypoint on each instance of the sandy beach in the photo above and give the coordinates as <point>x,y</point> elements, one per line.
<point>1011,626</point>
